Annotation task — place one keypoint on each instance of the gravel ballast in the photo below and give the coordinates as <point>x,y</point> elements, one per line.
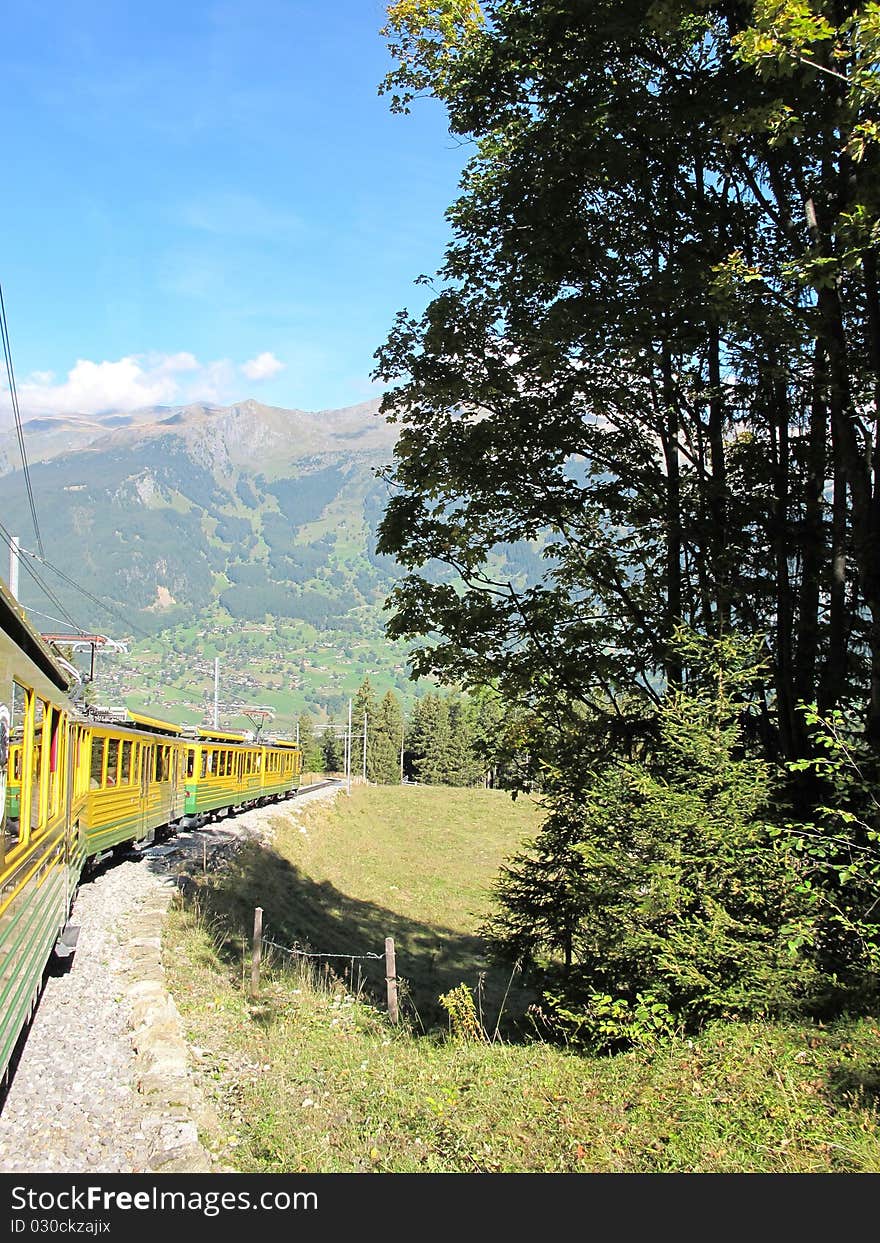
<point>102,1084</point>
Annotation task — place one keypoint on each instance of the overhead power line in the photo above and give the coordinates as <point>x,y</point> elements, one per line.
<point>102,604</point>
<point>43,586</point>
<point>13,393</point>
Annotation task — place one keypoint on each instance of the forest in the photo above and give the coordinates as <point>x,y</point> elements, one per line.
<point>654,346</point>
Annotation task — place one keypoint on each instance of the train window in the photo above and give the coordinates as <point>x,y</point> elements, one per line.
<point>80,756</point>
<point>125,768</point>
<point>112,761</point>
<point>56,743</point>
<point>166,763</point>
<point>96,771</point>
<point>190,761</point>
<point>11,827</point>
<point>230,760</point>
<point>15,826</point>
<point>37,770</point>
<point>203,771</point>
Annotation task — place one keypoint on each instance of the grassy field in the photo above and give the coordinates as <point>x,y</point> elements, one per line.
<point>410,862</point>
<point>310,1077</point>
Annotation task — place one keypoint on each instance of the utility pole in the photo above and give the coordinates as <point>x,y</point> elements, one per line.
<point>13,565</point>
<point>297,731</point>
<point>402,731</point>
<point>365,747</point>
<point>216,691</point>
<point>348,753</point>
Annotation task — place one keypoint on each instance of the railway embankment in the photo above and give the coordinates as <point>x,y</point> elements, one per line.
<point>103,1082</point>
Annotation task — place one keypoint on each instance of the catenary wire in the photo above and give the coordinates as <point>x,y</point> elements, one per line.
<point>102,604</point>
<point>43,586</point>
<point>13,393</point>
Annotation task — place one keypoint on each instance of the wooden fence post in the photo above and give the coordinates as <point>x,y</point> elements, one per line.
<point>257,950</point>
<point>391,979</point>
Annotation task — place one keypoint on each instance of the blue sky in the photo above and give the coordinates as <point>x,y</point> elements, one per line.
<point>209,200</point>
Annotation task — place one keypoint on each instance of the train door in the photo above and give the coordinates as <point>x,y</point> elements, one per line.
<point>174,754</point>
<point>146,759</point>
<point>71,824</point>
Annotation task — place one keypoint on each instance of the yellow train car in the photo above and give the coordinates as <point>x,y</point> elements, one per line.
<point>281,769</point>
<point>226,771</point>
<point>77,783</point>
<point>42,844</point>
<point>135,780</point>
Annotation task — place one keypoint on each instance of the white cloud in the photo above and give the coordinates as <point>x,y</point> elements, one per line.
<point>262,367</point>
<point>170,363</point>
<point>133,382</point>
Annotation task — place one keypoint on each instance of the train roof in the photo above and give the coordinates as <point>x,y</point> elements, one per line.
<point>18,630</point>
<point>151,722</point>
<point>221,735</point>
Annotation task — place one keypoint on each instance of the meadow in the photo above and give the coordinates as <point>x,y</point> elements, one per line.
<point>310,1075</point>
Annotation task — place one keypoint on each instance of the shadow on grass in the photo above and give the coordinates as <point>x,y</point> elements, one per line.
<point>855,1085</point>
<point>315,916</point>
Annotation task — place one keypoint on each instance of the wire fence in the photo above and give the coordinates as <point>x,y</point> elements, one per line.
<point>293,953</point>
<point>293,950</point>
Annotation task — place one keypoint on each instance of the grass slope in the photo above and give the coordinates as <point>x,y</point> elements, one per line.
<point>311,1078</point>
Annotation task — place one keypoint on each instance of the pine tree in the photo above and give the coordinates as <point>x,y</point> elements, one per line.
<point>383,750</point>
<point>332,749</point>
<point>312,752</point>
<point>364,714</point>
<point>462,768</point>
<point>429,739</point>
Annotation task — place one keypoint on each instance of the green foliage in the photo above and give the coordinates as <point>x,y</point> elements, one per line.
<point>748,1097</point>
<point>429,739</point>
<point>660,896</point>
<point>659,297</point>
<point>312,751</point>
<point>331,747</point>
<point>605,1023</point>
<point>840,848</point>
<point>464,1023</point>
<point>387,741</point>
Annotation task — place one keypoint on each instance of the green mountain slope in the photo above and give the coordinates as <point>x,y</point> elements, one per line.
<point>245,533</point>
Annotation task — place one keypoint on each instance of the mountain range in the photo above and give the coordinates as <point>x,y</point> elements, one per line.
<point>245,533</point>
<point>208,519</point>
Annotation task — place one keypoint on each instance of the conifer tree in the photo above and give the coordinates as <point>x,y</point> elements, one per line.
<point>429,739</point>
<point>384,755</point>
<point>312,752</point>
<point>331,747</point>
<point>462,767</point>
